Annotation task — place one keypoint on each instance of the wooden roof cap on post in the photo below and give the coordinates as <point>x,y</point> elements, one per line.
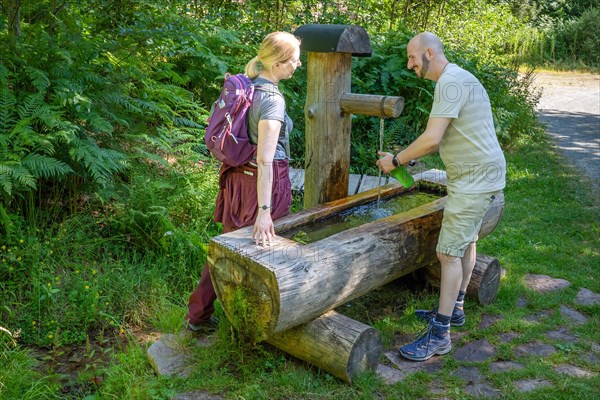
<point>324,38</point>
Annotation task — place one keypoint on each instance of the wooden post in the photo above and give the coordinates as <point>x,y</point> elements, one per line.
<point>327,158</point>
<point>13,8</point>
<point>335,343</point>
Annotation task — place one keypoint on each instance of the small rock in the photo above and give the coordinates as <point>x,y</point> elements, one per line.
<point>535,349</point>
<point>390,375</point>
<point>545,283</point>
<point>572,370</point>
<point>522,302</point>
<point>527,385</point>
<point>573,315</point>
<point>168,358</point>
<point>562,335</point>
<point>489,320</point>
<point>504,366</point>
<point>482,390</point>
<point>596,347</point>
<point>469,374</point>
<point>477,351</point>
<point>586,297</point>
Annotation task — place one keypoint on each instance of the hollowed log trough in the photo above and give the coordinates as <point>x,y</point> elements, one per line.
<point>270,290</point>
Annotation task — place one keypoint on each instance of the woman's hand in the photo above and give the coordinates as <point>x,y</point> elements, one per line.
<point>264,230</point>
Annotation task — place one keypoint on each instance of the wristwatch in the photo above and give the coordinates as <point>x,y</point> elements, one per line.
<point>395,161</point>
<point>264,207</point>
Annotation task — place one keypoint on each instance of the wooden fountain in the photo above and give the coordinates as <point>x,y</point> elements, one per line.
<point>286,293</point>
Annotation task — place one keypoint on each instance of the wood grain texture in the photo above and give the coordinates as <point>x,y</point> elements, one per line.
<point>484,283</point>
<point>335,343</point>
<point>327,159</point>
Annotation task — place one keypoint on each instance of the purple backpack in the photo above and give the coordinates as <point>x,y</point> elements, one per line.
<point>226,134</point>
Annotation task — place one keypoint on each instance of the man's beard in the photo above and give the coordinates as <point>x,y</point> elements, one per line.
<point>424,67</point>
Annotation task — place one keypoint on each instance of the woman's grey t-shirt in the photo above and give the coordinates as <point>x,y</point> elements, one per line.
<point>269,104</point>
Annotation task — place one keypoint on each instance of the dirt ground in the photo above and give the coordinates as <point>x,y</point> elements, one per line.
<point>570,107</point>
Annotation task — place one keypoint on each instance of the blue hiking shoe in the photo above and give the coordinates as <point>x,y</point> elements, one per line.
<point>457,319</point>
<point>434,339</point>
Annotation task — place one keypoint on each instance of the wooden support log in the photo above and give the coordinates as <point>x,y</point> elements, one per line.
<point>335,343</point>
<point>370,104</point>
<point>484,283</point>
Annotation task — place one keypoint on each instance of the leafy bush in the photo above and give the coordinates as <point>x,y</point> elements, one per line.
<point>570,42</point>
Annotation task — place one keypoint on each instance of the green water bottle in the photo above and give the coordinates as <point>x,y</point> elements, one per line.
<point>402,175</point>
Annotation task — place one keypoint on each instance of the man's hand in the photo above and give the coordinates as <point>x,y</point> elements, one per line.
<point>385,163</point>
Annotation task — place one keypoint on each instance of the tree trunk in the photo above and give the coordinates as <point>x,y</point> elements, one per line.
<point>335,343</point>
<point>13,8</point>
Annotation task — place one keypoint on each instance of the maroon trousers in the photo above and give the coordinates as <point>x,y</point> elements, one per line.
<point>237,206</point>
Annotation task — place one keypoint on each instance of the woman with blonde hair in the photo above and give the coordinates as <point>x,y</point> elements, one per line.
<point>259,191</point>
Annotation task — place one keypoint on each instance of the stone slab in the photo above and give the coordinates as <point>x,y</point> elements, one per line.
<point>469,374</point>
<point>488,320</point>
<point>477,351</point>
<point>507,336</point>
<point>356,182</point>
<point>434,364</point>
<point>504,366</point>
<point>390,375</point>
<point>586,297</point>
<point>573,315</point>
<point>574,371</point>
<point>482,391</point>
<point>528,385</point>
<point>561,335</point>
<point>370,182</point>
<point>534,349</point>
<point>353,182</point>
<point>545,283</point>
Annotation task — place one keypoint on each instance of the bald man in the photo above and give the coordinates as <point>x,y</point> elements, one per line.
<point>461,128</point>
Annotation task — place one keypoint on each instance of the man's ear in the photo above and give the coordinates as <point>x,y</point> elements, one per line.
<point>429,53</point>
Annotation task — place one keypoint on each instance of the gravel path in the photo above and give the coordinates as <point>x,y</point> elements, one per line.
<point>570,107</point>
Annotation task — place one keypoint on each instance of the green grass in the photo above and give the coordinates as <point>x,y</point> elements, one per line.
<point>550,226</point>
